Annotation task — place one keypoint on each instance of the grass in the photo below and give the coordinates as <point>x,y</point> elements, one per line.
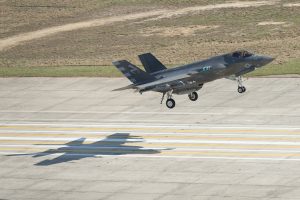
<point>291,67</point>
<point>60,71</point>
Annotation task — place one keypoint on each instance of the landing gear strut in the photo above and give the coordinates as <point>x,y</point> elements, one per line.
<point>162,98</point>
<point>241,88</point>
<point>193,96</point>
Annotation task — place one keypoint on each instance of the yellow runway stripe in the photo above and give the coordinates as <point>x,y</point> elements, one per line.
<point>130,129</point>
<point>155,145</point>
<point>169,137</point>
<point>241,143</point>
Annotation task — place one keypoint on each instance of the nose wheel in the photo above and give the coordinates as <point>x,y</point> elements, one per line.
<point>241,89</point>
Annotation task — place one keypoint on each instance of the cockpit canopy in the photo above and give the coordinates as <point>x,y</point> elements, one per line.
<point>241,54</point>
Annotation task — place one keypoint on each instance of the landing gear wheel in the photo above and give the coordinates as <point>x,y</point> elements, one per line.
<point>244,89</point>
<point>193,96</point>
<point>241,89</point>
<point>170,103</point>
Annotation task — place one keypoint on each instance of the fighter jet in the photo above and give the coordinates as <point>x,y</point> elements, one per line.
<point>190,78</point>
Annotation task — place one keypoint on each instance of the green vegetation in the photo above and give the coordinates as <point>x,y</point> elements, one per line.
<point>292,67</point>
<point>59,71</point>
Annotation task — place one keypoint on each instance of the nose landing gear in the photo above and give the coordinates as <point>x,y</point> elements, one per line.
<point>241,88</point>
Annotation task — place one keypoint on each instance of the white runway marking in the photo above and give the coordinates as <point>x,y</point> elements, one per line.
<point>152,141</point>
<point>142,133</point>
<point>74,147</point>
<point>169,157</point>
<point>186,141</point>
<point>90,120</point>
<point>156,125</point>
<point>144,113</point>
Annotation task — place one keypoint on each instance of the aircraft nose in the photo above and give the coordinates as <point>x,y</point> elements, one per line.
<point>263,60</point>
<point>267,59</point>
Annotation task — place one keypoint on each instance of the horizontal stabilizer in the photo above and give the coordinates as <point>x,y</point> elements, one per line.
<point>151,63</point>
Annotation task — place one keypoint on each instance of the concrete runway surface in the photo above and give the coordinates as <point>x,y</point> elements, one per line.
<point>72,138</point>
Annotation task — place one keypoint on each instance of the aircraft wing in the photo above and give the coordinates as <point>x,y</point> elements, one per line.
<point>163,81</point>
<point>232,77</point>
<point>125,88</point>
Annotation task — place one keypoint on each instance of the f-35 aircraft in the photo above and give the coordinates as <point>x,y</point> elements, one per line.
<point>190,78</point>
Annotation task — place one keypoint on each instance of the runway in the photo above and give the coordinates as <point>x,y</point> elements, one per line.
<point>129,140</point>
<point>74,139</point>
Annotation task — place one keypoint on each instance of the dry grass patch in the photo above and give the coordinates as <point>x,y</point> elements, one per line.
<point>270,23</point>
<point>174,31</point>
<point>191,30</point>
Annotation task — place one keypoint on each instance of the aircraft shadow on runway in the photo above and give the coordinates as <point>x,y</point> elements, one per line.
<point>75,150</point>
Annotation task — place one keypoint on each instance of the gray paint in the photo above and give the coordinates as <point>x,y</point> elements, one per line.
<point>191,77</point>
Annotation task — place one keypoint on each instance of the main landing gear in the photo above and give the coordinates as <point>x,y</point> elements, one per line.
<point>170,103</point>
<point>193,96</point>
<point>241,88</point>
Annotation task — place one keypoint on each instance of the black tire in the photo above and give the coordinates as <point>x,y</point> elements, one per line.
<point>244,89</point>
<point>193,96</point>
<point>240,90</point>
<point>170,103</point>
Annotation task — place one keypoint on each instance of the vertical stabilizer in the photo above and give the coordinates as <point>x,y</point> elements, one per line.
<point>151,63</point>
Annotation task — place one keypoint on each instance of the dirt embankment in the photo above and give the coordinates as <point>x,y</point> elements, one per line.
<point>151,16</point>
<point>18,39</point>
